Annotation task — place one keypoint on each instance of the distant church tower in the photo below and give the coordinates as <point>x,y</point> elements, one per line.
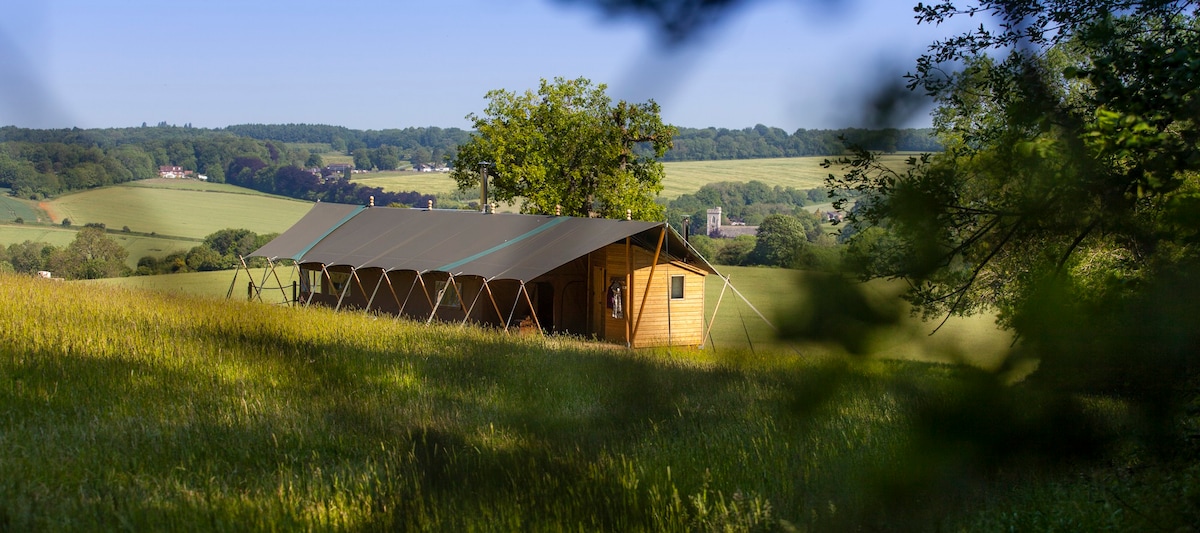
<point>714,222</point>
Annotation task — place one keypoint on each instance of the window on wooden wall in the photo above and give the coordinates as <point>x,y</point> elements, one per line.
<point>676,287</point>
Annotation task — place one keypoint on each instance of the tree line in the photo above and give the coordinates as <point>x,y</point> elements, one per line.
<point>295,182</point>
<point>36,164</point>
<point>92,254</point>
<point>692,144</point>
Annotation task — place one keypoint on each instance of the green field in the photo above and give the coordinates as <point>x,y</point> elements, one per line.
<point>681,177</point>
<point>685,177</point>
<point>14,208</point>
<point>179,208</point>
<point>195,185</point>
<point>407,180</point>
<point>143,411</point>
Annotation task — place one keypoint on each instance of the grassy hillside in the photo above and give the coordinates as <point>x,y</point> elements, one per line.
<point>178,208</point>
<point>144,411</point>
<point>800,172</point>
<point>138,245</point>
<point>14,208</point>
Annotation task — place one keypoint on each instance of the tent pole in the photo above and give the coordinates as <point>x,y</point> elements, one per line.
<point>410,289</point>
<point>266,274</point>
<point>295,274</point>
<point>392,289</point>
<point>628,293</point>
<point>755,309</point>
<point>441,294</point>
<point>279,282</point>
<point>473,302</point>
<point>516,300</point>
<point>425,289</point>
<point>324,276</point>
<point>716,308</point>
<point>233,283</point>
<point>257,290</point>
<point>312,290</point>
<point>345,290</point>
<point>492,297</point>
<point>649,282</point>
<point>382,276</point>
<point>359,280</point>
<point>532,311</point>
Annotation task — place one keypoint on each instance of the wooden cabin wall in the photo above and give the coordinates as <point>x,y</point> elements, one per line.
<point>665,321</point>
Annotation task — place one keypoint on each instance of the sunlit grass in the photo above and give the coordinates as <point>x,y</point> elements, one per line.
<point>142,410</point>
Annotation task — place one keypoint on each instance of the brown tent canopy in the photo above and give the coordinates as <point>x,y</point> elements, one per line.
<point>491,246</point>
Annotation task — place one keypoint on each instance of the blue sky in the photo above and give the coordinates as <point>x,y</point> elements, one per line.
<point>374,64</point>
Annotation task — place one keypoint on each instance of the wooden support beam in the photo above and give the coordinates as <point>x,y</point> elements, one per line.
<point>441,294</point>
<point>516,301</point>
<point>627,307</point>
<point>416,278</point>
<point>467,315</point>
<point>232,284</point>
<point>346,289</point>
<point>717,307</point>
<point>492,297</point>
<point>532,310</point>
<point>649,282</point>
<point>371,300</point>
<point>395,297</point>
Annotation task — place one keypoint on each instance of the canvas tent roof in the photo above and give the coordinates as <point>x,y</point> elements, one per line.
<point>492,246</point>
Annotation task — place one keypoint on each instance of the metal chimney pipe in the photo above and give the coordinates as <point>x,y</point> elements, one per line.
<point>483,192</point>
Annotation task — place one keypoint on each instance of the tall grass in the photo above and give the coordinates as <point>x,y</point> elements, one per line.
<point>146,411</point>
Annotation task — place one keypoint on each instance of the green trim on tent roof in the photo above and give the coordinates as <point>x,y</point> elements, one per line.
<point>331,229</point>
<point>505,244</point>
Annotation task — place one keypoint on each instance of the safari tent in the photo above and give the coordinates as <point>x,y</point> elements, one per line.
<point>623,281</point>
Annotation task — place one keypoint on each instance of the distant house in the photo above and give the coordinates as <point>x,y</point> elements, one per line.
<point>430,167</point>
<point>717,230</point>
<point>339,168</point>
<point>169,171</point>
<point>830,216</point>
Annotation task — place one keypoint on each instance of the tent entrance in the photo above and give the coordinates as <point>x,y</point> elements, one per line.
<point>544,300</point>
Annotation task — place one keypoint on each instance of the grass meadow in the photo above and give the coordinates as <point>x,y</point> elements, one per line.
<point>143,410</point>
<point>178,208</point>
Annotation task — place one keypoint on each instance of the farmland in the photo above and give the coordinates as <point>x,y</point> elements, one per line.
<point>12,208</point>
<point>178,208</point>
<point>151,411</point>
<point>407,180</point>
<point>681,177</point>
